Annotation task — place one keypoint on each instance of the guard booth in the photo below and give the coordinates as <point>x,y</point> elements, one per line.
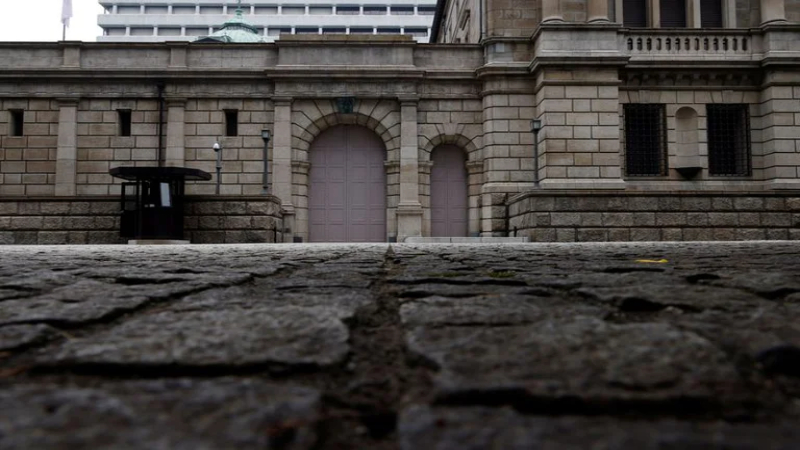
<point>152,200</point>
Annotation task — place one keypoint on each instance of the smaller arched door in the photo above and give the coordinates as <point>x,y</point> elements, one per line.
<point>448,192</point>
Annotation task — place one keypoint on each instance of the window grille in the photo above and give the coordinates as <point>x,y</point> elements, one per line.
<point>645,139</point>
<point>728,140</point>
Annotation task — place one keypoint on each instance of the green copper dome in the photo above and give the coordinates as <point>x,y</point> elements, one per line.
<point>235,30</point>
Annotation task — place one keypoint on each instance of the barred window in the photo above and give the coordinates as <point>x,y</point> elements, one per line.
<point>645,139</point>
<point>728,140</point>
<point>231,122</point>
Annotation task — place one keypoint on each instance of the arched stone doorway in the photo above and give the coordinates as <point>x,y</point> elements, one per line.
<point>448,192</point>
<point>347,186</point>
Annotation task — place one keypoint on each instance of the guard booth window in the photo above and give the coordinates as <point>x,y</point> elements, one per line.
<point>728,140</point>
<point>645,139</point>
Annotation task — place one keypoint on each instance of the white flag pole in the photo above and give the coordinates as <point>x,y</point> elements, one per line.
<point>66,14</point>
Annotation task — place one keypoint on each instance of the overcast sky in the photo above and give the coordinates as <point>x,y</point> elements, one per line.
<point>40,20</point>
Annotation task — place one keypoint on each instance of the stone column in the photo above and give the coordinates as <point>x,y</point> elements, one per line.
<point>772,11</point>
<point>598,11</point>
<point>282,162</point>
<point>176,154</point>
<point>67,153</point>
<point>409,210</point>
<point>551,11</point>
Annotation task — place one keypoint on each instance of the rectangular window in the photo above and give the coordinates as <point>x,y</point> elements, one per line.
<point>711,13</point>
<point>124,116</point>
<point>645,139</point>
<point>634,13</point>
<point>374,10</point>
<point>426,10</point>
<point>728,140</point>
<point>231,122</point>
<point>17,122</point>
<point>673,13</point>
<point>348,10</point>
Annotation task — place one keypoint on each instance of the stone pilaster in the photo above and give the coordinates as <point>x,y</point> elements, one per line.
<point>67,153</point>
<point>282,160</point>
<point>176,153</point>
<point>409,209</point>
<point>772,11</point>
<point>551,11</point>
<point>598,11</point>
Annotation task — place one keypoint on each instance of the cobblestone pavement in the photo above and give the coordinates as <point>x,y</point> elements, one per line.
<point>530,346</point>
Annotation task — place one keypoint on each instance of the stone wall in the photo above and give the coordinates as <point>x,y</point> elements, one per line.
<point>672,216</point>
<point>95,220</point>
<point>792,10</point>
<point>28,162</point>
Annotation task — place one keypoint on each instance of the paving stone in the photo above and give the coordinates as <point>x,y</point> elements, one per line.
<point>582,357</point>
<point>234,337</point>
<point>481,428</point>
<point>13,337</point>
<point>189,414</point>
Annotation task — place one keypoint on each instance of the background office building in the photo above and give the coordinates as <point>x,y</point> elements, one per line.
<point>186,20</point>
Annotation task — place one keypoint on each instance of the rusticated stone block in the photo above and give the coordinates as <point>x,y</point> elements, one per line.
<point>208,237</point>
<point>234,237</point>
<point>104,223</point>
<point>565,204</point>
<point>55,208</point>
<point>52,237</point>
<point>794,235</point>
<point>793,204</point>
<point>669,204</point>
<point>723,219</point>
<point>749,219</point>
<point>672,234</point>
<point>645,234</point>
<point>748,203</point>
<point>565,235</point>
<point>255,236</point>
<point>697,234</point>
<point>723,234</point>
<point>109,208</point>
<point>644,219</point>
<point>208,208</point>
<point>592,235</point>
<point>643,204</point>
<point>25,223</point>
<point>6,238</point>
<point>722,204</point>
<point>591,219</point>
<point>9,208</point>
<point>776,219</point>
<point>670,219</point>
<point>619,234</point>
<point>618,219</point>
<point>544,235</point>
<point>750,234</point>
<point>209,222</point>
<point>80,208</point>
<point>697,219</point>
<point>261,208</point>
<point>542,220</point>
<point>695,203</point>
<point>52,222</point>
<point>29,208</point>
<point>776,234</point>
<point>237,222</point>
<point>542,203</point>
<point>103,237</point>
<point>79,223</point>
<point>774,204</point>
<point>26,237</point>
<point>560,219</point>
<point>77,237</point>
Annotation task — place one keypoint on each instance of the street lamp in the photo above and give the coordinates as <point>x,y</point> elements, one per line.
<point>264,180</point>
<point>218,151</point>
<point>536,126</point>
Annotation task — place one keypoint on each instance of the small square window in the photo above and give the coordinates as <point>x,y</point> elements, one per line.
<point>231,122</point>
<point>17,122</point>
<point>124,116</point>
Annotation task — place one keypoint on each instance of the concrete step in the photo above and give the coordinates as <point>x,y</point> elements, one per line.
<point>465,240</point>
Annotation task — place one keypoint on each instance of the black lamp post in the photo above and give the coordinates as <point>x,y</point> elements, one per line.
<point>218,151</point>
<point>264,180</point>
<point>536,126</point>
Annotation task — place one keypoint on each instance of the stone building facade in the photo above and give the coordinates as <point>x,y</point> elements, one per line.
<point>382,138</point>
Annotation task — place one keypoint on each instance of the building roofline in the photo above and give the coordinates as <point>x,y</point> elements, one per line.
<point>437,19</point>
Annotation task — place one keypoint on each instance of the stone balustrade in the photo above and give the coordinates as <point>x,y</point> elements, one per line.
<point>690,44</point>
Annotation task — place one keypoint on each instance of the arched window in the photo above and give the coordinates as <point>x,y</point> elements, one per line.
<point>673,13</point>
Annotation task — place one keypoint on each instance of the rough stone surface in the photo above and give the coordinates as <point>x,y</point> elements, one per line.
<point>402,346</point>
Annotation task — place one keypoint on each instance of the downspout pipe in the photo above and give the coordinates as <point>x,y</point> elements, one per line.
<point>160,86</point>
<point>438,16</point>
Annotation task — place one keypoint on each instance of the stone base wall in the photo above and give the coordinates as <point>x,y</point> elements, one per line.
<point>95,220</point>
<point>673,216</point>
